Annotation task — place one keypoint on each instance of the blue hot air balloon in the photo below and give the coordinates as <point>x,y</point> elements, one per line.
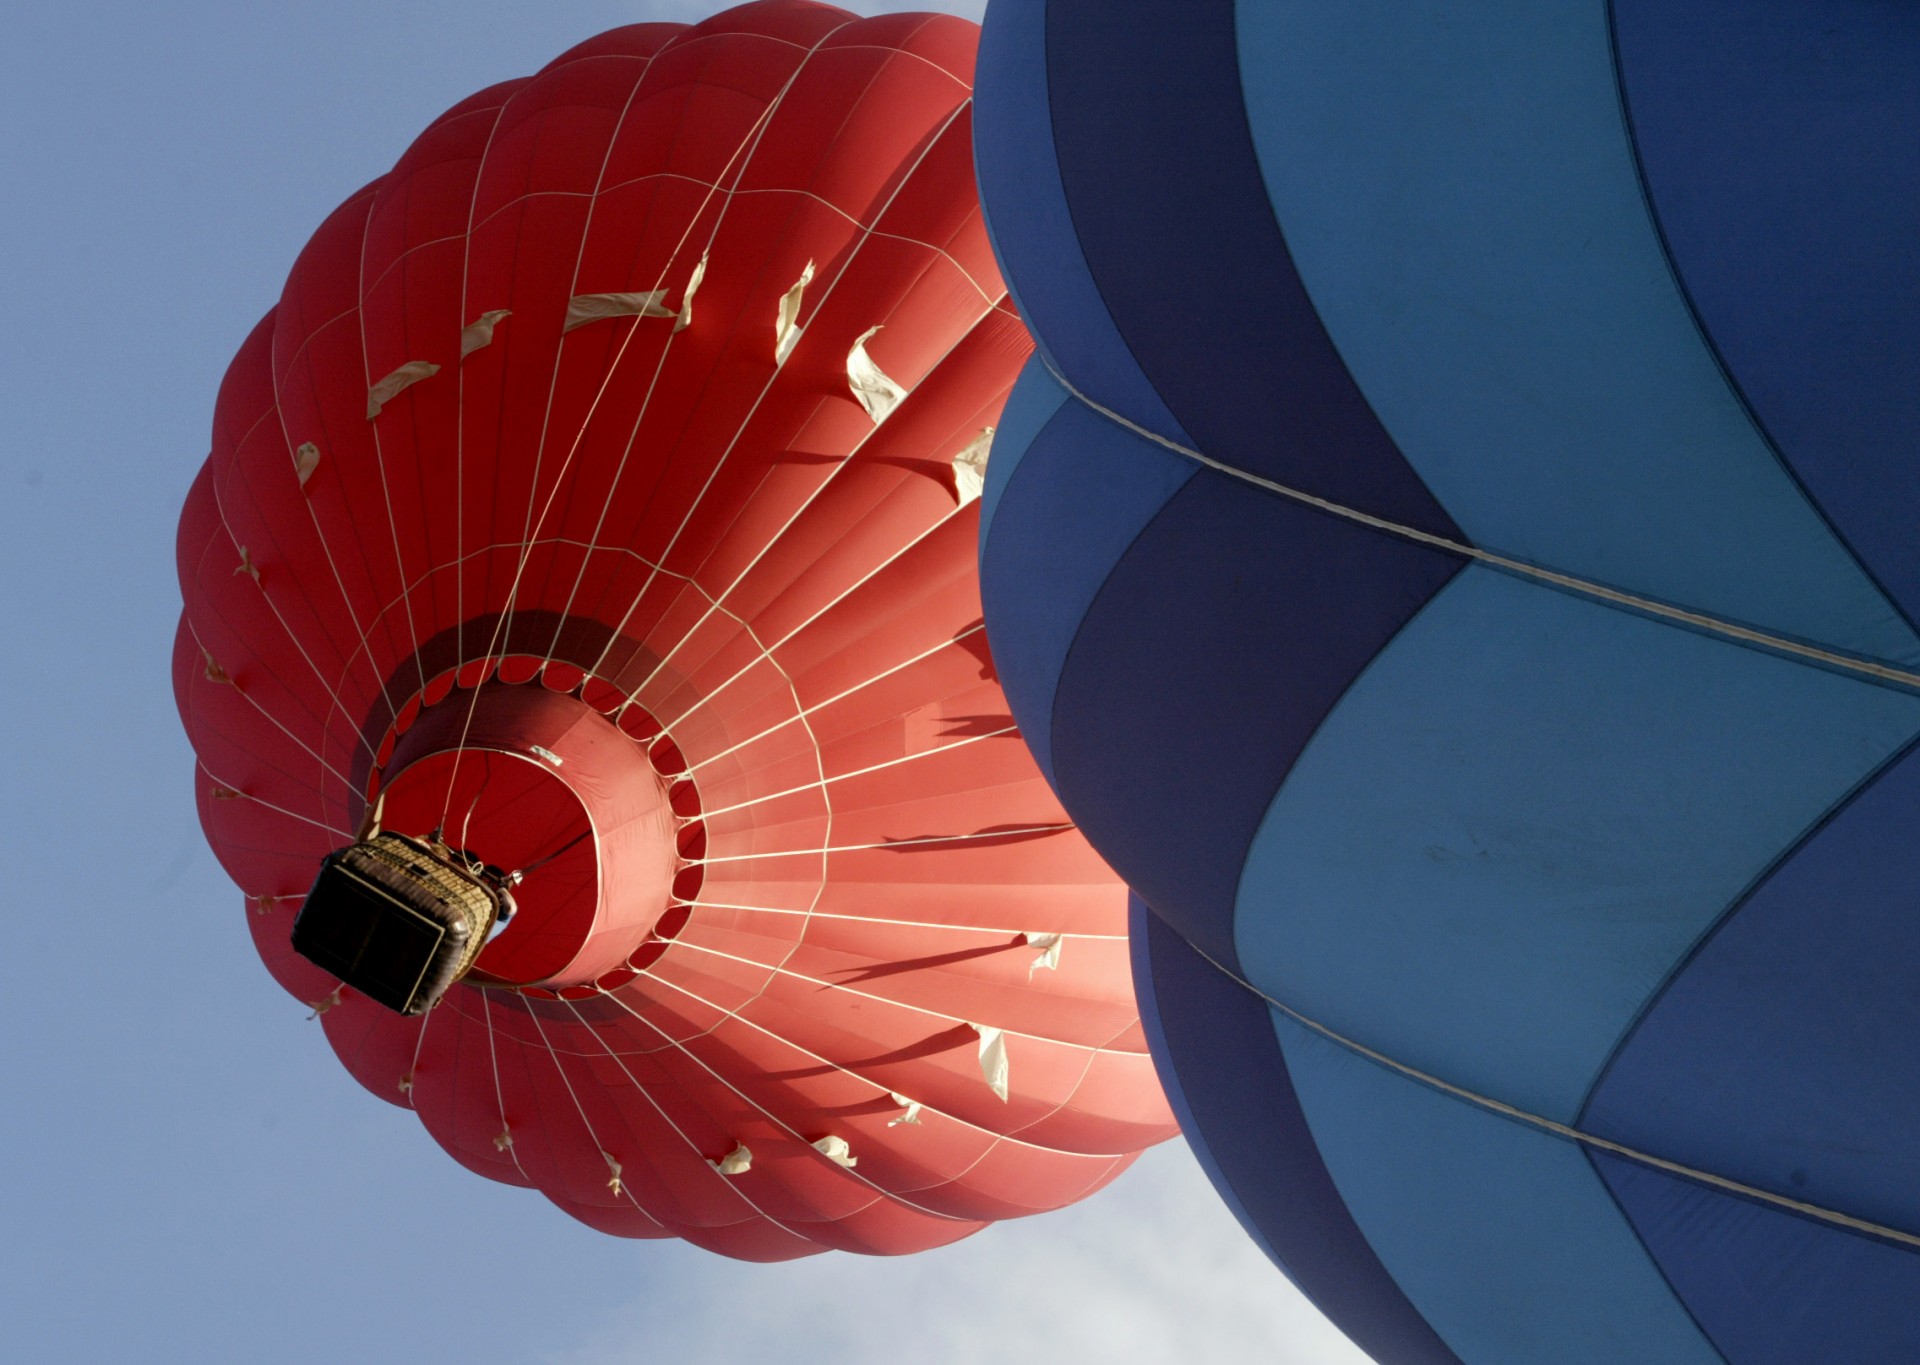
<point>1457,554</point>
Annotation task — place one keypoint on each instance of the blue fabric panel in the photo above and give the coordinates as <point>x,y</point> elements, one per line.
<point>1027,219</point>
<point>1781,148</point>
<point>1036,397</point>
<point>1174,223</point>
<point>1216,646</point>
<point>1501,1235</point>
<point>1784,1055</point>
<point>1524,815</point>
<point>1462,200</point>
<point>1228,1083</point>
<point>1771,1287</point>
<point>1079,494</point>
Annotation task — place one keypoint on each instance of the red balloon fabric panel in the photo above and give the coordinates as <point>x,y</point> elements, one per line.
<point>640,407</point>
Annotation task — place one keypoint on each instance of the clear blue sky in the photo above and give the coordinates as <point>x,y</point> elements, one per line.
<point>188,1174</point>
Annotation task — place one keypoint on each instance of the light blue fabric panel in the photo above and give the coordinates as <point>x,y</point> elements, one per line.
<point>1502,1236</point>
<point>1461,200</point>
<point>1522,817</point>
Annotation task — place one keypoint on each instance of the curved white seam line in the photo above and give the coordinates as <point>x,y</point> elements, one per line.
<point>219,781</point>
<point>861,686</point>
<point>826,782</point>
<point>365,646</point>
<point>692,1146</point>
<point>780,969</point>
<point>585,1122</point>
<point>1547,1125</point>
<point>1075,935</point>
<point>883,845</point>
<point>793,1046</point>
<point>278,724</point>
<point>401,259</point>
<point>852,588</point>
<point>846,1172</point>
<point>996,302</point>
<point>312,335</point>
<point>902,52</point>
<point>1518,567</point>
<point>1086,1068</point>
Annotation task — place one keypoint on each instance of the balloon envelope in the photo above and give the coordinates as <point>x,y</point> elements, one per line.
<point>599,473</point>
<point>1453,556</point>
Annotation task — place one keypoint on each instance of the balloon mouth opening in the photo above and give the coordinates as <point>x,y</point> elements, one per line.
<point>590,834</point>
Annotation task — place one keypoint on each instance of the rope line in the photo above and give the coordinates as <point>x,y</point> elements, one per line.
<point>1745,634</point>
<point>1547,1125</point>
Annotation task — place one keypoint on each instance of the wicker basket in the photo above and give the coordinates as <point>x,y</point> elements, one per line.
<point>396,919</point>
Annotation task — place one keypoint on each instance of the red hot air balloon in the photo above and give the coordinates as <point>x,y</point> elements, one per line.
<point>598,507</point>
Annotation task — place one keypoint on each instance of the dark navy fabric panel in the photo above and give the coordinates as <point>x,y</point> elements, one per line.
<point>1230,629</point>
<point>1027,219</point>
<point>1780,144</point>
<point>1082,490</point>
<point>1213,1042</point>
<point>1784,1055</point>
<point>1141,932</point>
<point>1770,1287</point>
<point>1173,220</point>
<point>1036,397</point>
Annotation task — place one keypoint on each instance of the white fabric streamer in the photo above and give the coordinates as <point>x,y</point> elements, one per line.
<point>786,323</point>
<point>993,1058</point>
<point>391,387</point>
<point>877,393</point>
